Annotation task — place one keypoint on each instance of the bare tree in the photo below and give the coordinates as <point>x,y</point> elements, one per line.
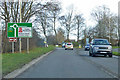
<point>106,23</point>
<point>79,21</point>
<point>60,35</point>
<point>10,13</point>
<point>42,20</point>
<point>99,14</point>
<point>54,11</point>
<point>67,22</point>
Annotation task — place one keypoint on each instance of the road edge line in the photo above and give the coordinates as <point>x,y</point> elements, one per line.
<point>114,56</point>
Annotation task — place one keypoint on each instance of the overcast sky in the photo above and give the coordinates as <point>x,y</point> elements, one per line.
<point>86,6</point>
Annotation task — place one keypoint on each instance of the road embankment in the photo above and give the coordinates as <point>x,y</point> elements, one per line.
<point>11,62</point>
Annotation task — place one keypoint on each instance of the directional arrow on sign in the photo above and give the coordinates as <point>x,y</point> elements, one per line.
<point>14,27</point>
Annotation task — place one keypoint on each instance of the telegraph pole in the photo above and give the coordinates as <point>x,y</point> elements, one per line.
<point>45,27</point>
<point>20,22</point>
<point>1,39</point>
<point>109,29</point>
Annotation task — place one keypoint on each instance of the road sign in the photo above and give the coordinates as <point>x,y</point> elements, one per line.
<point>12,39</point>
<point>19,30</point>
<point>45,42</point>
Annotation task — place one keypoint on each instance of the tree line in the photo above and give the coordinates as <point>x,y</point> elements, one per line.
<point>49,24</point>
<point>106,27</point>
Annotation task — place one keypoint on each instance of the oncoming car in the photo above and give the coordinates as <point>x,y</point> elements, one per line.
<point>100,47</point>
<point>68,46</point>
<point>87,47</point>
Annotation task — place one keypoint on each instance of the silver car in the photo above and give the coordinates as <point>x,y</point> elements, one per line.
<point>100,47</point>
<point>68,46</point>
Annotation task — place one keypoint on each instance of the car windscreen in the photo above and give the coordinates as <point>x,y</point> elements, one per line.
<point>101,42</point>
<point>69,44</point>
<point>87,45</point>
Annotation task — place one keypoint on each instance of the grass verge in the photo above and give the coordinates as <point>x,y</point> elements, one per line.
<point>116,53</point>
<point>115,47</point>
<point>10,62</point>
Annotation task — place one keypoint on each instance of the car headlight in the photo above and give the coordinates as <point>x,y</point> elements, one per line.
<point>110,47</point>
<point>96,47</point>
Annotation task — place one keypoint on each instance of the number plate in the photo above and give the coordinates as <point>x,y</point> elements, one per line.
<point>103,52</point>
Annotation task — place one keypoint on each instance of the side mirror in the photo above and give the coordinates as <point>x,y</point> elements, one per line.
<point>110,43</point>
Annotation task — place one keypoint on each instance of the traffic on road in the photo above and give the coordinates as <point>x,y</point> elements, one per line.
<point>73,64</point>
<point>59,39</point>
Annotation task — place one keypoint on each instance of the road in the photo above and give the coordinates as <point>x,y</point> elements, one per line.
<point>116,50</point>
<point>72,64</point>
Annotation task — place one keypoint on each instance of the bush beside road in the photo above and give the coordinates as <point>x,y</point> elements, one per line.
<point>115,50</point>
<point>10,61</point>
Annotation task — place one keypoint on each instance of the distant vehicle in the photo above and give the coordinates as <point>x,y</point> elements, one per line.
<point>63,45</point>
<point>56,45</point>
<point>68,46</point>
<point>87,47</point>
<point>100,46</point>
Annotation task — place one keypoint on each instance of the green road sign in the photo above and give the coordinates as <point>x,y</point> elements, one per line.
<point>19,30</point>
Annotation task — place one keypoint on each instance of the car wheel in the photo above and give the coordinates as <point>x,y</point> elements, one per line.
<point>65,49</point>
<point>93,54</point>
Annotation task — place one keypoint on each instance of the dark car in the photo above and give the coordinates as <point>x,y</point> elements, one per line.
<point>100,47</point>
<point>87,47</point>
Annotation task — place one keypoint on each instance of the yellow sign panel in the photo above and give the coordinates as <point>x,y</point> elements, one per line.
<point>45,42</point>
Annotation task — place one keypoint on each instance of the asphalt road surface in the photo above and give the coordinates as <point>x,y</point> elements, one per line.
<point>116,50</point>
<point>72,64</point>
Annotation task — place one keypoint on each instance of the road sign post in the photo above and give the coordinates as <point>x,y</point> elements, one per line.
<point>45,42</point>
<point>13,40</point>
<point>12,47</point>
<point>20,30</point>
<point>20,45</point>
<point>27,45</point>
